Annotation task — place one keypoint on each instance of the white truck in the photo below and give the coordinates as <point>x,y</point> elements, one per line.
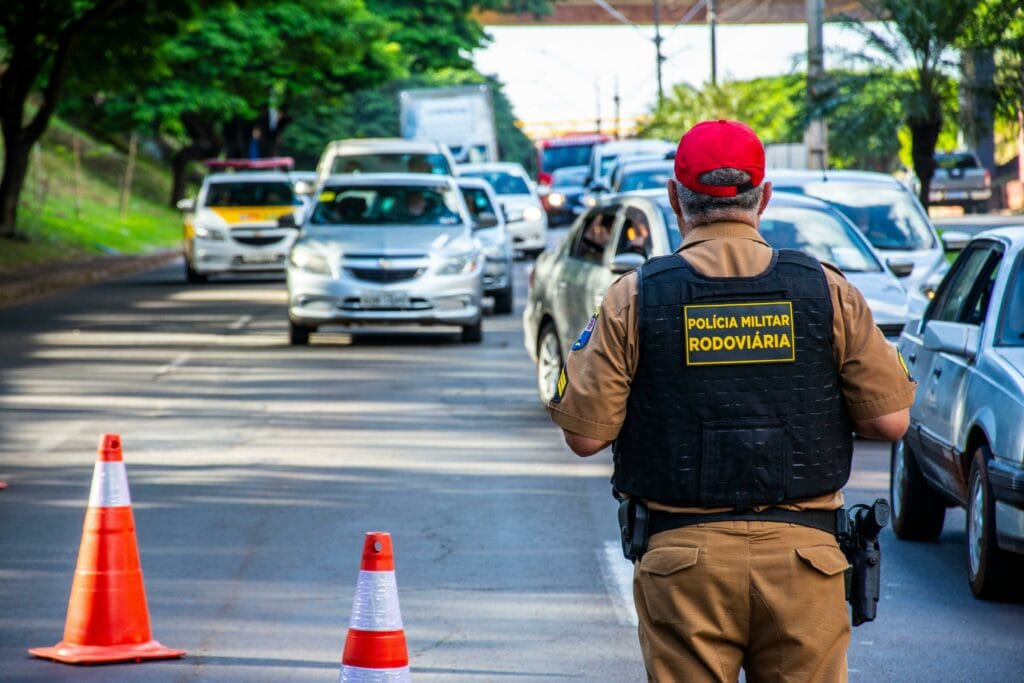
<point>460,117</point>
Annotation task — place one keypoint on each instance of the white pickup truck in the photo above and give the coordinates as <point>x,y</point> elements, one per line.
<point>960,180</point>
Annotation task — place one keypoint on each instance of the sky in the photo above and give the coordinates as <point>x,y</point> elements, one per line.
<point>567,76</point>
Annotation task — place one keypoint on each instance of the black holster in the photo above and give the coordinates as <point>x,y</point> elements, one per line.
<point>858,538</point>
<point>633,527</point>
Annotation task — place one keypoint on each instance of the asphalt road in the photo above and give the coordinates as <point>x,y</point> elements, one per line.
<point>256,469</point>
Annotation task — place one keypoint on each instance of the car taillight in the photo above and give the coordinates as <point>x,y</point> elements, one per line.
<point>988,178</point>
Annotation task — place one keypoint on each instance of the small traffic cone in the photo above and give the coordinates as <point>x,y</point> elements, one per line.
<point>375,650</point>
<point>108,620</point>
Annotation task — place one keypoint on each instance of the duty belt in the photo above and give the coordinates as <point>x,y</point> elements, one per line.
<point>826,520</point>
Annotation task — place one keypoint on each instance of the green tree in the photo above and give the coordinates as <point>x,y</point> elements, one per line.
<point>244,71</point>
<point>45,41</point>
<point>920,33</point>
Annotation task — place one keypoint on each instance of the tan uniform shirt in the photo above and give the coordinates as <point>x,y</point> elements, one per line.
<point>599,374</point>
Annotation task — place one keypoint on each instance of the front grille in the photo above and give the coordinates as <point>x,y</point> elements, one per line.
<point>382,275</point>
<point>258,241</point>
<point>891,330</point>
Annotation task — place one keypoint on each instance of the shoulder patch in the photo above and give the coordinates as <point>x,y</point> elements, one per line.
<point>563,382</point>
<point>587,331</point>
<point>903,364</point>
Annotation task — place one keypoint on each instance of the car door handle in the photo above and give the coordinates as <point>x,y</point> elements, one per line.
<point>912,357</point>
<point>937,372</point>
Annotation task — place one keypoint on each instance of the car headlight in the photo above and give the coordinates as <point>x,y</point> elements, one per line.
<point>589,201</point>
<point>460,264</point>
<point>206,233</point>
<point>556,199</point>
<point>531,213</point>
<point>309,261</point>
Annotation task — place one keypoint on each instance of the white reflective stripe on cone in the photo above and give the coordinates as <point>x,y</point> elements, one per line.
<point>376,603</point>
<point>355,674</point>
<point>109,486</point>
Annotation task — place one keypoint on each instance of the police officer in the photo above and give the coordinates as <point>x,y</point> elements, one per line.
<point>729,378</point>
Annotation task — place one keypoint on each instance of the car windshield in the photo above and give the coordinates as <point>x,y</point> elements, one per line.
<point>951,162</point>
<point>263,193</point>
<point>554,158</point>
<point>646,179</point>
<point>889,217</point>
<point>820,234</point>
<point>385,162</point>
<point>569,177</point>
<point>502,182</point>
<point>387,205</point>
<point>1012,332</point>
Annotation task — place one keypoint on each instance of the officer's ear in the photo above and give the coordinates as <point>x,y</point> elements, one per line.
<point>673,197</point>
<point>766,194</point>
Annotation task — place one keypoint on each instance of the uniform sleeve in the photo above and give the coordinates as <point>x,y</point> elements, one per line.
<point>875,381</point>
<point>595,380</point>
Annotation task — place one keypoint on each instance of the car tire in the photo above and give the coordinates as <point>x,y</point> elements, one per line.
<point>193,277</point>
<point>298,335</point>
<point>992,573</point>
<point>503,299</point>
<point>473,334</point>
<point>549,362</point>
<point>918,510</point>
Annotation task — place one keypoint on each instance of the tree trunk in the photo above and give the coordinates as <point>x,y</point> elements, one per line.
<point>923,136</point>
<point>205,144</point>
<point>16,160</point>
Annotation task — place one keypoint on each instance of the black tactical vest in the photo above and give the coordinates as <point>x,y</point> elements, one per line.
<point>736,398</point>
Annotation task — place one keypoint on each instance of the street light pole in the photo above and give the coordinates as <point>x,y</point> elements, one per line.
<point>816,135</point>
<point>712,20</point>
<point>658,58</point>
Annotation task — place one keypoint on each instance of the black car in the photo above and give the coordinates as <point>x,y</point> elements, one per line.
<point>564,201</point>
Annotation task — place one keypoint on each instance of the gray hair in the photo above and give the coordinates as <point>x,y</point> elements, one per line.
<point>706,208</point>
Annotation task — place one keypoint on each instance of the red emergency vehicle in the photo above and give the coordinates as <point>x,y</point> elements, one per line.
<point>568,150</point>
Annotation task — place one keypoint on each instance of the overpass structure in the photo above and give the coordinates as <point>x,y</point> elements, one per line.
<point>584,12</point>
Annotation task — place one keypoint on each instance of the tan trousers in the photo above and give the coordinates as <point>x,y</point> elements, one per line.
<point>764,596</point>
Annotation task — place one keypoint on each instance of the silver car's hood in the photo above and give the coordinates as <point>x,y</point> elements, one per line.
<point>886,298</point>
<point>517,201</point>
<point>389,240</point>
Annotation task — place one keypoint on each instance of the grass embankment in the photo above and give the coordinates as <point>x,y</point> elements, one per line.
<point>66,216</point>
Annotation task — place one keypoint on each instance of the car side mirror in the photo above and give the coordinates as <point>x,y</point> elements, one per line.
<point>186,205</point>
<point>900,268</point>
<point>955,240</point>
<point>287,221</point>
<point>599,188</point>
<point>626,262</point>
<point>959,339</point>
<point>485,219</point>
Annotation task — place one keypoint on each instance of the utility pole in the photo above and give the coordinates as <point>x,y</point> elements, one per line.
<point>712,20</point>
<point>618,122</point>
<point>816,135</point>
<point>597,101</point>
<point>658,58</point>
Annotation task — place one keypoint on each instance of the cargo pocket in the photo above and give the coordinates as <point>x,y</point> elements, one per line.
<point>666,577</point>
<point>827,559</point>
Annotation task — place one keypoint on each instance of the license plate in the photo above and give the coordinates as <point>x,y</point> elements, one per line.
<point>385,300</point>
<point>259,258</point>
<point>956,194</point>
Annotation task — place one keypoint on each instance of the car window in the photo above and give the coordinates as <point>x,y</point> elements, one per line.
<point>387,205</point>
<point>276,193</point>
<point>568,177</point>
<point>646,179</point>
<point>502,182</point>
<point>594,235</point>
<point>1012,332</point>
<point>956,162</point>
<point>480,207</point>
<point>675,238</point>
<point>964,296</point>
<point>820,233</point>
<point>635,236</point>
<point>889,217</point>
<point>384,162</point>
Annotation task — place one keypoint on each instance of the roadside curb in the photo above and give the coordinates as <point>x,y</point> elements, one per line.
<point>26,284</point>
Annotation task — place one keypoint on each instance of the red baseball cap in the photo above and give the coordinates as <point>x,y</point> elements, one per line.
<point>711,145</point>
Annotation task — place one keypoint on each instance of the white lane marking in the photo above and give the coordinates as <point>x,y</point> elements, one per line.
<point>618,580</point>
<point>240,323</point>
<point>174,364</point>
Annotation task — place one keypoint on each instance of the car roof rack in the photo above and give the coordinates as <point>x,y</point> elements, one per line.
<point>267,163</point>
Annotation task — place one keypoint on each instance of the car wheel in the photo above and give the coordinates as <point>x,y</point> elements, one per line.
<point>192,277</point>
<point>549,362</point>
<point>918,511</point>
<point>990,570</point>
<point>503,299</point>
<point>298,335</point>
<point>473,334</point>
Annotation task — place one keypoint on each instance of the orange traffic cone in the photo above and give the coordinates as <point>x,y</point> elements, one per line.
<point>108,620</point>
<point>375,650</point>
